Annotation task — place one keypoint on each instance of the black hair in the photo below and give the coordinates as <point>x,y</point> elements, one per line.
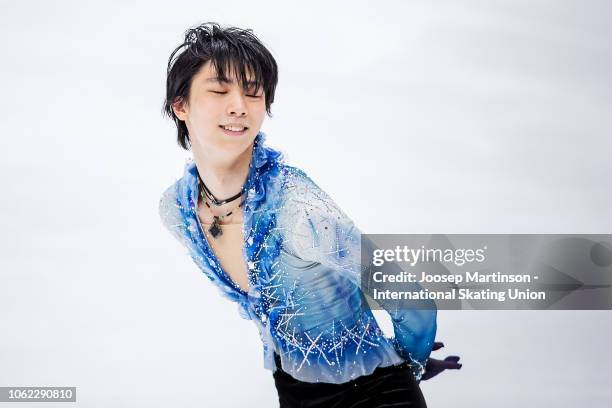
<point>227,48</point>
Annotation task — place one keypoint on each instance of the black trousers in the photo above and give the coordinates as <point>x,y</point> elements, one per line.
<point>393,386</point>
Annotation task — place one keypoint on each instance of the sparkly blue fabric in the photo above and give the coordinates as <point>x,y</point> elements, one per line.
<point>303,258</point>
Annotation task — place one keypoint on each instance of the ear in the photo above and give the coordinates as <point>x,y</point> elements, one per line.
<point>180,108</point>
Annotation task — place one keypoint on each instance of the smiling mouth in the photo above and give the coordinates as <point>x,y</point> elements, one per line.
<point>234,130</point>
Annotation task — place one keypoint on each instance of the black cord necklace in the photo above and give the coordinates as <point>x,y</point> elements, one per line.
<point>215,227</point>
<point>214,199</point>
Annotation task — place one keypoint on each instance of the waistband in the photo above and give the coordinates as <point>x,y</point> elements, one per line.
<point>403,366</point>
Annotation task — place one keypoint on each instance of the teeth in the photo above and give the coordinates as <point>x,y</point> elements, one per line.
<point>234,128</point>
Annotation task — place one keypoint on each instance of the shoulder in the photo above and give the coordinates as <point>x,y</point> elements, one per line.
<point>306,206</point>
<point>169,209</point>
<point>298,185</point>
<point>174,199</point>
<point>304,194</point>
<point>314,228</point>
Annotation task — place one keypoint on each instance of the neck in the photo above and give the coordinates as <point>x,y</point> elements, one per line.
<point>224,178</point>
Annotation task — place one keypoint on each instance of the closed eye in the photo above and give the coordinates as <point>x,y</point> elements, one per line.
<point>224,92</point>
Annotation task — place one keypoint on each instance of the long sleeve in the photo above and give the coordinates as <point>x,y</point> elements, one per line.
<point>317,230</point>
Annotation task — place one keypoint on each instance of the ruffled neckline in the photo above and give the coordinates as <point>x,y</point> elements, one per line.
<point>264,166</point>
<point>262,158</point>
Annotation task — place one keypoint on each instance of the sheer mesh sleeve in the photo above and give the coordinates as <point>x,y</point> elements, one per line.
<point>316,229</point>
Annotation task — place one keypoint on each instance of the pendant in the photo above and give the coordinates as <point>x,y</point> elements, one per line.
<point>215,228</point>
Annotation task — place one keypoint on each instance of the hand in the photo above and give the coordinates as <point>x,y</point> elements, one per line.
<point>435,366</point>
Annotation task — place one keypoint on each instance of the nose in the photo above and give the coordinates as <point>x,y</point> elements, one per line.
<point>237,105</point>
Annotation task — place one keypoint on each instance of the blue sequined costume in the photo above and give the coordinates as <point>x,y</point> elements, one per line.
<point>303,258</point>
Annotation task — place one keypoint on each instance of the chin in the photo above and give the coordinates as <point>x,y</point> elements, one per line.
<point>235,144</point>
<point>244,140</point>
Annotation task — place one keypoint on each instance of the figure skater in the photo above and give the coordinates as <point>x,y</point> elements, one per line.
<point>274,242</point>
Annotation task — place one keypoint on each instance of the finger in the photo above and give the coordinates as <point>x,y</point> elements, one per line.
<point>451,363</point>
<point>452,358</point>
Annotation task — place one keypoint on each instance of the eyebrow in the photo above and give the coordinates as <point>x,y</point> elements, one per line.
<point>228,81</point>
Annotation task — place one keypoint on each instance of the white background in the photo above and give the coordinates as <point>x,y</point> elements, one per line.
<point>416,117</point>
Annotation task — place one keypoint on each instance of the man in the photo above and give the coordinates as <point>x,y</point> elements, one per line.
<point>276,244</point>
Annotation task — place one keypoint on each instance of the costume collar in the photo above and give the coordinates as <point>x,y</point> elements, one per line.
<point>261,192</point>
<point>263,159</point>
